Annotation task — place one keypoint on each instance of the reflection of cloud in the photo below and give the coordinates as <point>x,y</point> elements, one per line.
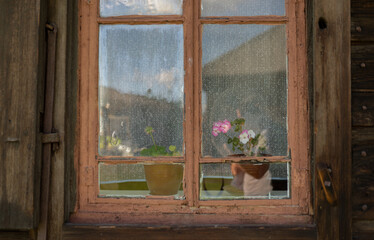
<point>167,77</point>
<point>140,7</point>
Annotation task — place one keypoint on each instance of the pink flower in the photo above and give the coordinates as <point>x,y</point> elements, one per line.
<point>225,126</point>
<point>216,128</point>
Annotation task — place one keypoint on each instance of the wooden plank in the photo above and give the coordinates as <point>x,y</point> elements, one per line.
<point>22,235</point>
<point>363,182</point>
<point>362,7</point>
<point>71,107</point>
<point>362,28</point>
<point>194,232</point>
<point>332,119</point>
<point>21,59</point>
<point>363,109</point>
<point>363,227</point>
<point>362,136</point>
<point>363,67</point>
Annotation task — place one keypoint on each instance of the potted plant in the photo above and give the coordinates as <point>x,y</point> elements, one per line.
<point>162,178</point>
<point>247,142</point>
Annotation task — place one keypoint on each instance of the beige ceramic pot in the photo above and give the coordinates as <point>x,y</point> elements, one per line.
<point>163,179</point>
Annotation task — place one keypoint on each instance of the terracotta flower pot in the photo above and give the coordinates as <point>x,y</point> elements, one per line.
<point>163,179</point>
<point>256,170</point>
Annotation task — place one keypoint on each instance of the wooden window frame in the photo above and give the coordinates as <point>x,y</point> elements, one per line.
<point>164,210</point>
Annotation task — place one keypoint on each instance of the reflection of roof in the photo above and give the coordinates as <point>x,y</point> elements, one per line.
<point>263,54</point>
<point>120,102</point>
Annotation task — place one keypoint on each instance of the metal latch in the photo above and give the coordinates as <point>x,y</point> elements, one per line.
<point>51,138</point>
<point>324,174</point>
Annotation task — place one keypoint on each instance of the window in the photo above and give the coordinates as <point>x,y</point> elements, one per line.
<point>154,77</point>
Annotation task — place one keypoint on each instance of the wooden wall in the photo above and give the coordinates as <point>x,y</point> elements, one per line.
<point>362,66</point>
<point>22,34</point>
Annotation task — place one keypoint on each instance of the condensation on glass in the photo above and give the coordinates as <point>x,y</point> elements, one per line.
<point>242,7</point>
<point>135,180</point>
<point>141,84</point>
<point>244,76</point>
<point>238,181</point>
<point>110,8</point>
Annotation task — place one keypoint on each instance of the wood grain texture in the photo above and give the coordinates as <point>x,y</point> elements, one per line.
<point>362,7</point>
<point>20,75</point>
<point>363,109</point>
<point>22,235</point>
<point>362,28</point>
<point>363,182</point>
<point>332,115</point>
<point>72,232</point>
<point>363,230</point>
<point>362,67</point>
<point>362,136</point>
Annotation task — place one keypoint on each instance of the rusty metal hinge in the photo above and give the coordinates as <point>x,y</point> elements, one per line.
<point>324,174</point>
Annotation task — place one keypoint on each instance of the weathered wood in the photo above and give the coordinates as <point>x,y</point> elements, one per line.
<point>362,136</point>
<point>71,106</point>
<point>21,73</point>
<point>363,67</point>
<point>332,121</point>
<point>6,235</point>
<point>363,182</point>
<point>362,7</point>
<point>220,232</point>
<point>362,29</point>
<point>363,109</point>
<point>363,229</point>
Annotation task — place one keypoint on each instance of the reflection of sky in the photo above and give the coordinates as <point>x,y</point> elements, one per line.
<point>148,60</point>
<point>143,59</point>
<point>242,7</point>
<point>140,7</point>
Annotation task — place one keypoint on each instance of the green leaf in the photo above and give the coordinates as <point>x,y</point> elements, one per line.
<point>229,141</point>
<point>172,148</point>
<point>151,151</point>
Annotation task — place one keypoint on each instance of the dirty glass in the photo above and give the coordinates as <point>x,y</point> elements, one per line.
<point>141,90</point>
<point>242,7</point>
<point>244,77</point>
<point>244,181</point>
<point>140,7</point>
<point>141,180</point>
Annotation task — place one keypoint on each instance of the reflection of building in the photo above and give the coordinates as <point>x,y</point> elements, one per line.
<point>129,114</point>
<point>249,81</point>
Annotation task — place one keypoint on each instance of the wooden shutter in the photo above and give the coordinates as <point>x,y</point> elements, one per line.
<point>21,75</point>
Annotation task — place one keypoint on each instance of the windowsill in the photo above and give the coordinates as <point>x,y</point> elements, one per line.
<point>84,231</point>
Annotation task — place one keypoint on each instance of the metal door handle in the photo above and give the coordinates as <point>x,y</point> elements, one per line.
<point>324,174</point>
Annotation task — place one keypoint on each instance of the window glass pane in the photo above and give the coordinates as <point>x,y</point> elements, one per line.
<point>141,180</point>
<point>140,7</point>
<point>244,75</point>
<point>242,7</point>
<point>141,84</point>
<point>244,181</point>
